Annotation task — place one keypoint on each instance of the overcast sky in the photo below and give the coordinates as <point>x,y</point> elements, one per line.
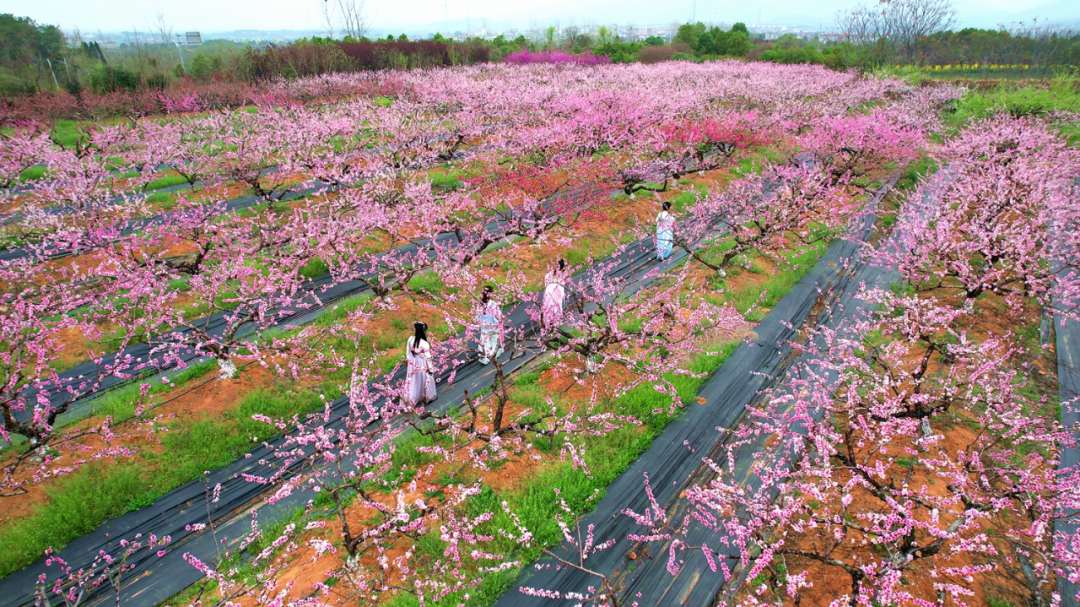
<point>218,15</point>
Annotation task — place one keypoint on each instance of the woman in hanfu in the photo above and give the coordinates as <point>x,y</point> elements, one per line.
<point>490,326</point>
<point>419,380</point>
<point>551,309</point>
<point>665,232</point>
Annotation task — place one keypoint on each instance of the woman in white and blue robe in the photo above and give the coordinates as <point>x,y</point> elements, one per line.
<point>488,319</point>
<point>665,232</point>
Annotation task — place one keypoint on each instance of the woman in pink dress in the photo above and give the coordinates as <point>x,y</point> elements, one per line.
<point>419,381</point>
<point>554,295</point>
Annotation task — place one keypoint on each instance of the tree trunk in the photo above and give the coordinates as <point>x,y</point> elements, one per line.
<point>228,368</point>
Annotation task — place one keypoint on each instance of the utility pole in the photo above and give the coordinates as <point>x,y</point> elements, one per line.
<point>693,12</point>
<point>446,18</point>
<point>55,83</point>
<point>180,51</point>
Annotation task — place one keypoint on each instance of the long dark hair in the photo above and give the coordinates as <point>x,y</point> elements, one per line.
<point>485,294</point>
<point>562,264</point>
<point>666,206</point>
<point>421,333</point>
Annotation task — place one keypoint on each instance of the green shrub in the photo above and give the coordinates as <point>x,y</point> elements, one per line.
<point>200,67</point>
<point>73,86</point>
<point>108,79</point>
<point>157,82</point>
<point>314,269</point>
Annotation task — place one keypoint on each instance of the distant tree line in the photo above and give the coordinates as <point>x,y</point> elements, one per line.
<point>919,33</point>
<point>26,50</point>
<point>38,57</point>
<point>715,42</point>
<point>791,49</point>
<point>1038,48</point>
<point>314,56</point>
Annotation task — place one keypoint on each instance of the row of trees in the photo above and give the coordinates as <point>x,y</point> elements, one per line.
<point>714,41</point>
<point>325,56</point>
<point>1038,46</point>
<point>918,32</point>
<point>909,446</point>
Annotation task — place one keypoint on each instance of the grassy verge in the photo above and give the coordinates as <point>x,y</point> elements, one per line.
<point>98,492</point>
<point>164,200</point>
<point>166,181</point>
<point>1018,99</point>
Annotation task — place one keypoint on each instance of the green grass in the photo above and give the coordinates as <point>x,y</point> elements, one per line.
<point>683,201</point>
<point>530,395</point>
<point>1024,99</point>
<point>166,181</point>
<point>166,200</point>
<point>83,500</point>
<point>68,132</point>
<point>752,164</point>
<point>577,256</point>
<point>527,379</point>
<point>915,173</point>
<point>755,298</point>
<point>120,403</point>
<point>32,174</point>
<point>429,282</point>
<point>314,269</point>
<point>445,181</point>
